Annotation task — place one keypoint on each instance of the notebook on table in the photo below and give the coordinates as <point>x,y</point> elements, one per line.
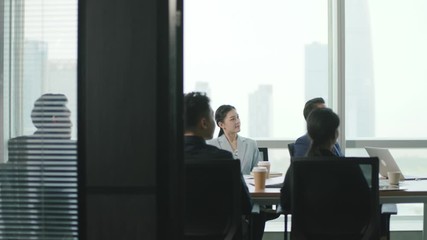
<point>387,163</point>
<point>385,186</point>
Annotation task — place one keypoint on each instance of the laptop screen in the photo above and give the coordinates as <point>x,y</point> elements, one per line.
<point>387,162</point>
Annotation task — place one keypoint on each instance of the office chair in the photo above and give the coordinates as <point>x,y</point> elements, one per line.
<point>339,199</point>
<point>387,209</point>
<point>268,209</point>
<point>37,186</point>
<point>291,148</point>
<point>213,200</point>
<point>264,152</point>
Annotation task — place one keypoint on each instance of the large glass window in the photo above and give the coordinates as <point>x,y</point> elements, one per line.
<point>264,58</point>
<point>385,71</point>
<point>268,58</point>
<point>38,164</point>
<point>386,78</point>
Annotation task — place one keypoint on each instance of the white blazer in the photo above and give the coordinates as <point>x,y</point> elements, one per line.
<point>247,151</point>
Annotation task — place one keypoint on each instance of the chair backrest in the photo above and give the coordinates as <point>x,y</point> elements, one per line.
<point>37,186</point>
<point>212,199</point>
<point>291,148</point>
<point>335,198</point>
<point>264,152</point>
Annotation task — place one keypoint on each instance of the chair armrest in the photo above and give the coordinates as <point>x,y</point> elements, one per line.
<point>255,209</point>
<point>386,211</point>
<point>389,208</point>
<point>280,210</point>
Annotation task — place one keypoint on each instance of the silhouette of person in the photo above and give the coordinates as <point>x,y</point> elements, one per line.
<point>39,197</point>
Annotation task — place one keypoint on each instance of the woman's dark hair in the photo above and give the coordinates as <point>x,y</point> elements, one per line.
<point>220,115</point>
<point>322,125</point>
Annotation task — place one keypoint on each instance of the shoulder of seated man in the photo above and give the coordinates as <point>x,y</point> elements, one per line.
<point>222,154</point>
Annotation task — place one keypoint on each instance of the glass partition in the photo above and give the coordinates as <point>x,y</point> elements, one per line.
<point>38,195</point>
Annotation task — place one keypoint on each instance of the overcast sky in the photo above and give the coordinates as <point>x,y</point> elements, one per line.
<point>237,45</point>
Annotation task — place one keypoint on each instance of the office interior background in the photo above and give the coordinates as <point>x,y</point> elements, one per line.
<point>112,61</point>
<point>268,58</point>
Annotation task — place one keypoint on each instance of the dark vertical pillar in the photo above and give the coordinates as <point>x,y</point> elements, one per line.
<point>169,105</point>
<point>130,136</point>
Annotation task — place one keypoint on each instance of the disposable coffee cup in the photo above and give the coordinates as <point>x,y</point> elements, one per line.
<point>260,174</point>
<point>393,178</point>
<point>265,164</point>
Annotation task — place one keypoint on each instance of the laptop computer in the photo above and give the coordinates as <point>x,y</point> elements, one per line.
<point>387,162</point>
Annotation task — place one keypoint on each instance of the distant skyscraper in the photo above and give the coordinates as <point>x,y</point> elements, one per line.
<point>316,71</point>
<point>62,74</point>
<point>203,87</point>
<point>260,112</point>
<point>360,111</point>
<point>359,73</point>
<point>34,72</point>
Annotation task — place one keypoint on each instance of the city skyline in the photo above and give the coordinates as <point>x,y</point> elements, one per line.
<point>235,51</point>
<point>259,103</point>
<point>42,75</point>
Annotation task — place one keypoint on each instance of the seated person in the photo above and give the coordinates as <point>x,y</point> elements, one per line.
<point>40,166</point>
<point>322,127</point>
<point>199,126</point>
<point>302,144</point>
<point>244,149</point>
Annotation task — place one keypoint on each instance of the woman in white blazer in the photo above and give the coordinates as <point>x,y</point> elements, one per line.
<point>244,149</point>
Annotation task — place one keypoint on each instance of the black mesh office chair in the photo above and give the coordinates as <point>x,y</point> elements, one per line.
<point>386,209</point>
<point>264,153</point>
<point>212,200</point>
<point>271,213</point>
<point>291,148</point>
<point>339,199</point>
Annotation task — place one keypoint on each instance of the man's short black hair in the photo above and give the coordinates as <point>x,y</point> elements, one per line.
<point>196,106</point>
<point>311,104</point>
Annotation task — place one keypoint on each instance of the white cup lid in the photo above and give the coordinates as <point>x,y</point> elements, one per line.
<point>263,163</point>
<point>259,169</point>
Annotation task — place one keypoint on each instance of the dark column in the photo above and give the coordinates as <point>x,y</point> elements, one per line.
<point>130,134</point>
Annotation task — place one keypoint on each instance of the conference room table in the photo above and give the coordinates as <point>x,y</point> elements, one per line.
<point>410,191</point>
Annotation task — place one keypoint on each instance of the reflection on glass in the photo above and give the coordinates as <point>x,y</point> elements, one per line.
<point>39,187</point>
<point>38,144</point>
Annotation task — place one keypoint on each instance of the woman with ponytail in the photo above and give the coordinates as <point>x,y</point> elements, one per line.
<point>244,149</point>
<point>322,128</point>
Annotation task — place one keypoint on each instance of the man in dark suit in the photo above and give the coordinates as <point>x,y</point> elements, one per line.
<point>199,126</point>
<point>302,144</point>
